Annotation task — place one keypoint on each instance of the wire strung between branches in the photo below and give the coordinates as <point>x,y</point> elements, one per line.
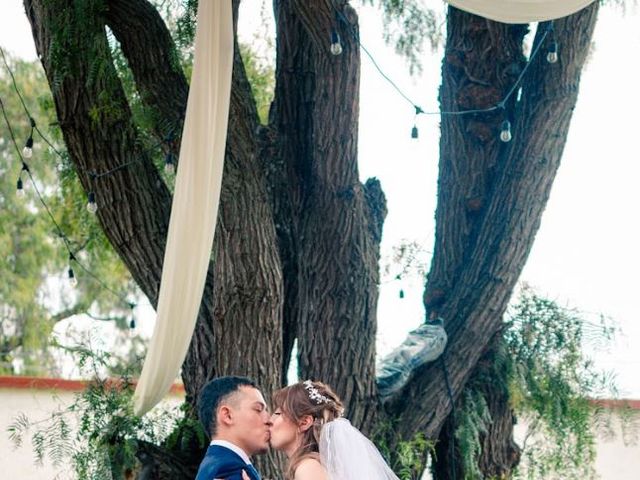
<point>419,111</point>
<point>168,139</point>
<point>60,232</point>
<point>93,176</point>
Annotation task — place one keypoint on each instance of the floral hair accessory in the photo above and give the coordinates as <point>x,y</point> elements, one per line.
<point>314,394</point>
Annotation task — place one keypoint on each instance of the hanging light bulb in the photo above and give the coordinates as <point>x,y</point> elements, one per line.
<point>414,130</point>
<point>92,206</point>
<point>20,193</point>
<point>336,46</point>
<point>71,277</point>
<point>73,280</point>
<point>27,151</point>
<point>552,53</point>
<point>505,131</point>
<point>169,164</point>
<point>132,317</point>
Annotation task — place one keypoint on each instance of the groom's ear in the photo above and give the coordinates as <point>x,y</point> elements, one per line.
<point>225,415</point>
<point>305,423</point>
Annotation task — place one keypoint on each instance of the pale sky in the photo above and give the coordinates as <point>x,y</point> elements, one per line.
<point>586,254</point>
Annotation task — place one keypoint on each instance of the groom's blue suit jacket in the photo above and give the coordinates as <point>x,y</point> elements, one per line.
<point>220,462</point>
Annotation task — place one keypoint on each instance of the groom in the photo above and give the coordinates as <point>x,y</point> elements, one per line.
<point>235,417</point>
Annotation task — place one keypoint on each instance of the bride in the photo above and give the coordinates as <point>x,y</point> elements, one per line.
<point>307,425</point>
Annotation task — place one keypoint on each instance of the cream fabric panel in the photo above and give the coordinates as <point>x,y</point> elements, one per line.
<point>195,203</point>
<point>521,11</point>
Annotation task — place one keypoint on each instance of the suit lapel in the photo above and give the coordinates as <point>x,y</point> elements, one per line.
<point>253,473</point>
<point>233,460</point>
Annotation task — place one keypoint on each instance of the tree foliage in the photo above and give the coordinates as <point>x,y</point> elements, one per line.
<point>408,25</point>
<point>541,362</point>
<point>97,436</point>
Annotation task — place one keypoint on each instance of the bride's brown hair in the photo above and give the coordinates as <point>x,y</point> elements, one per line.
<point>307,398</point>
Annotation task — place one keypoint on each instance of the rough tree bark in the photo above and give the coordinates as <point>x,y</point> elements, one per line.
<point>297,240</point>
<point>333,226</point>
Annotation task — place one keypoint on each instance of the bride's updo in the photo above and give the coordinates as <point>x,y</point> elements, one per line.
<point>308,398</point>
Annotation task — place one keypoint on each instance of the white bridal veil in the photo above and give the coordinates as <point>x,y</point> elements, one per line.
<point>348,455</point>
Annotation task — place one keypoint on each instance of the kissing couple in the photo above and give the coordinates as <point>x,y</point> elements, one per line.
<point>307,425</point>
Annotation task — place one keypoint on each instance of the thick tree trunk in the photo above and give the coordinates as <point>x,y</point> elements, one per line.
<point>239,324</point>
<point>491,195</point>
<point>328,222</point>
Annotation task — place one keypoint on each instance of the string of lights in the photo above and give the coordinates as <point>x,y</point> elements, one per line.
<point>505,130</point>
<point>170,161</point>
<point>73,281</point>
<point>169,168</point>
<point>73,260</point>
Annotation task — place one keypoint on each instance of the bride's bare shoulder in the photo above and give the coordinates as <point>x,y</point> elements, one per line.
<point>310,469</point>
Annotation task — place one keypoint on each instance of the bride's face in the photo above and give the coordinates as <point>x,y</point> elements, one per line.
<point>284,433</point>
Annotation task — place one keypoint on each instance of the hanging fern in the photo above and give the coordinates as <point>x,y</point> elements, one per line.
<point>473,421</point>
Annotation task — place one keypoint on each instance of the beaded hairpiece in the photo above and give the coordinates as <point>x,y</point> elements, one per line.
<point>314,394</point>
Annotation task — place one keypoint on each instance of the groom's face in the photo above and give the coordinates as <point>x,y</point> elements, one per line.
<point>250,420</point>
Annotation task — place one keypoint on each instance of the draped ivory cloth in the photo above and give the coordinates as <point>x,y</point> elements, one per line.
<point>195,203</point>
<point>521,11</point>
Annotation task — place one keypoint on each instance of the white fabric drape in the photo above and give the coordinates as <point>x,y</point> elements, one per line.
<point>195,203</point>
<point>521,11</point>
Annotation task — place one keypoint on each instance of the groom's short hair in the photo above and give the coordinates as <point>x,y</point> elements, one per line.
<point>213,394</point>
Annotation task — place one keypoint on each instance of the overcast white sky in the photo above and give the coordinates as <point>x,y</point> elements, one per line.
<point>586,254</point>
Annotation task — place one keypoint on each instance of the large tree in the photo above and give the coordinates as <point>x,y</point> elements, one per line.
<point>296,251</point>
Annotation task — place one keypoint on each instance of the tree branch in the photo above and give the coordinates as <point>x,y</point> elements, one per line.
<point>100,135</point>
<point>154,62</point>
<point>509,219</point>
<point>69,312</point>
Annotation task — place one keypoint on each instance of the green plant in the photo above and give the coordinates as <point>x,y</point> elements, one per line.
<point>408,459</point>
<point>472,421</point>
<point>552,386</point>
<point>412,456</point>
<point>98,431</point>
<point>551,383</point>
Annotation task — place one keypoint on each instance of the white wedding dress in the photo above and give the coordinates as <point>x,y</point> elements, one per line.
<point>348,455</point>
